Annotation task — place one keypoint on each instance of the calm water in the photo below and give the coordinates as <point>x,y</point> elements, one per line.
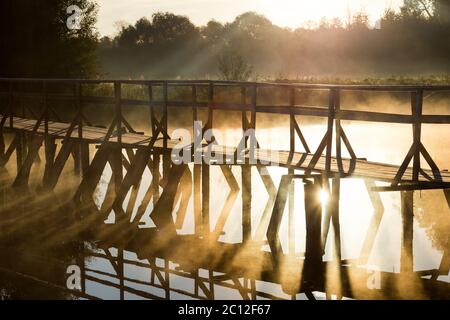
<point>41,236</point>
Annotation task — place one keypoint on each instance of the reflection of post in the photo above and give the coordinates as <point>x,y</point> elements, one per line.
<point>334,207</point>
<point>371,234</point>
<point>167,278</point>
<point>444,267</point>
<point>116,166</point>
<point>80,262</point>
<point>205,199</point>
<point>197,198</point>
<point>246,202</point>
<point>407,207</point>
<point>313,214</point>
<point>291,215</point>
<point>155,177</point>
<point>120,275</point>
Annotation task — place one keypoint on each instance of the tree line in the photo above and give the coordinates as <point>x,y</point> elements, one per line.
<point>413,40</point>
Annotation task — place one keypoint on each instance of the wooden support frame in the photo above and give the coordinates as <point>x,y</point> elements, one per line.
<point>417,149</point>
<point>378,212</point>
<point>229,203</point>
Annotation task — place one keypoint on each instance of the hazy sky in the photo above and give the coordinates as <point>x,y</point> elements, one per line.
<point>285,13</point>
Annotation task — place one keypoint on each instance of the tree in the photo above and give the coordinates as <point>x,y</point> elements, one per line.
<point>359,21</point>
<point>232,66</point>
<point>418,8</point>
<point>213,32</point>
<point>36,41</point>
<point>442,11</point>
<point>168,27</point>
<point>438,10</point>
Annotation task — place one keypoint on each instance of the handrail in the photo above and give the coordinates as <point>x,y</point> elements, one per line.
<point>360,87</point>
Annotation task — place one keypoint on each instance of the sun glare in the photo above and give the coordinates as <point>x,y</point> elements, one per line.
<point>324,196</point>
<point>296,13</point>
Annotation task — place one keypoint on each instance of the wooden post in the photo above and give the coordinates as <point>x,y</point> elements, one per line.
<point>337,109</point>
<point>416,106</point>
<point>197,175</point>
<point>292,120</point>
<point>244,116</point>
<point>118,110</point>
<point>11,105</point>
<point>194,107</point>
<point>291,204</point>
<point>407,212</point>
<point>254,104</point>
<point>164,125</point>
<point>46,115</point>
<point>152,110</point>
<point>246,202</point>
<point>23,172</point>
<point>165,112</point>
<point>210,106</point>
<point>331,102</point>
<point>83,147</point>
<point>155,177</point>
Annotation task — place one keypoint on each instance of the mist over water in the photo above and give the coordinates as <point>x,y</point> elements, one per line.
<point>38,229</point>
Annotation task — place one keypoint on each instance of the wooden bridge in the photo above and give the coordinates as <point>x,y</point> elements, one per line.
<point>29,115</point>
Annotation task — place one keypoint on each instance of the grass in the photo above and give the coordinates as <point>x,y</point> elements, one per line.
<point>391,80</point>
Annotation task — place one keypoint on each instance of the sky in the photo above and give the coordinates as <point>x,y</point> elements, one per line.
<point>284,13</point>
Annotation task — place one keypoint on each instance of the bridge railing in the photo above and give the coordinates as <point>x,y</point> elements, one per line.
<point>248,103</point>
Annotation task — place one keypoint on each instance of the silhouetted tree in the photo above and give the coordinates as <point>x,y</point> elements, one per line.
<point>36,41</point>
<point>232,66</point>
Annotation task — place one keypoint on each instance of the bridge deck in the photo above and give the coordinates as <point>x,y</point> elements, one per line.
<point>355,168</point>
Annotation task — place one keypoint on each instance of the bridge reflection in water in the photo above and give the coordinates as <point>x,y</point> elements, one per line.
<point>42,237</point>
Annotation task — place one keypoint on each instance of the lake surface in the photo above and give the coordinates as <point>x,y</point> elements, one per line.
<point>42,234</point>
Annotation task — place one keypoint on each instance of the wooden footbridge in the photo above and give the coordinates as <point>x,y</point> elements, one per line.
<point>30,118</point>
